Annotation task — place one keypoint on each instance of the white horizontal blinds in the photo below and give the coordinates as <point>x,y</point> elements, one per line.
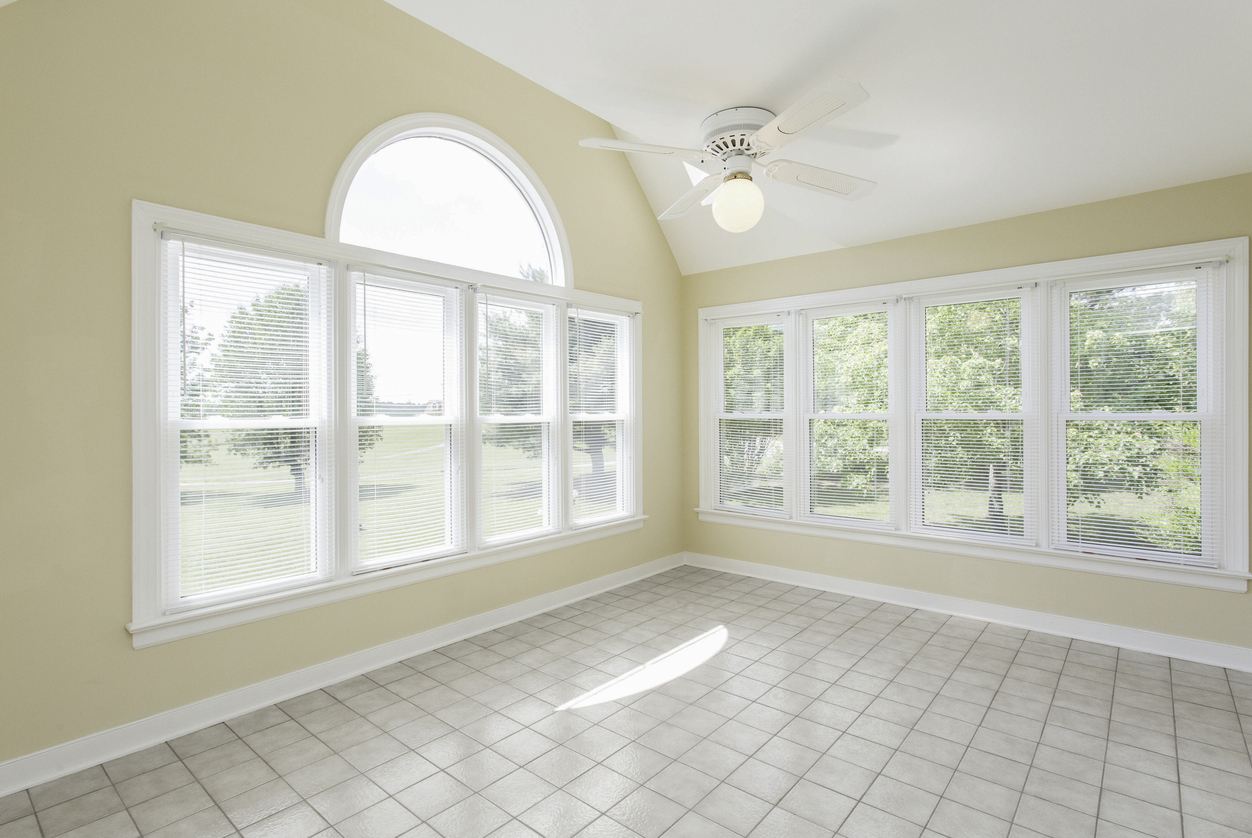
<point>1136,435</point>
<point>970,437</point>
<point>750,455</point>
<point>405,374</point>
<point>849,454</point>
<point>599,398</point>
<point>514,403</point>
<point>247,413</point>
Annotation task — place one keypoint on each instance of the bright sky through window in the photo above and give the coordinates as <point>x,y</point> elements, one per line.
<point>441,200</point>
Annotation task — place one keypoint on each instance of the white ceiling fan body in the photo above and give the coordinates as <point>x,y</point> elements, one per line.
<point>736,140</point>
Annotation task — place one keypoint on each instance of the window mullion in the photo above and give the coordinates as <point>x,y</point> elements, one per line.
<point>471,499</point>
<point>793,414</point>
<point>562,465</point>
<point>347,498</point>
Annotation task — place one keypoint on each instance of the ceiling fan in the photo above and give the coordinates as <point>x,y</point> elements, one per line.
<point>736,139</point>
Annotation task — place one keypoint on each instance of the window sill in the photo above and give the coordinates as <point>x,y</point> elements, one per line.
<point>165,628</point>
<point>1220,580</point>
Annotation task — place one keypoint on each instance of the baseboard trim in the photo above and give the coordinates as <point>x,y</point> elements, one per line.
<point>1139,640</point>
<point>60,760</point>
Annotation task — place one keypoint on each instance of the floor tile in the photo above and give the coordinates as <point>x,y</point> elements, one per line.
<point>824,714</point>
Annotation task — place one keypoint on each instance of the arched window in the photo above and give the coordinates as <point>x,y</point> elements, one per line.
<point>443,189</point>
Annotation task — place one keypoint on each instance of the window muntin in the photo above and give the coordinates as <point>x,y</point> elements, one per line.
<point>1140,440</point>
<point>977,413</point>
<point>445,200</point>
<point>247,406</point>
<point>751,420</point>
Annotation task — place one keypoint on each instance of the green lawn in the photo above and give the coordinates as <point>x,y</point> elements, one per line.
<point>239,524</point>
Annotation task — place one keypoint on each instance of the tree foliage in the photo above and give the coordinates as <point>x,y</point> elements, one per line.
<point>259,369</point>
<point>1132,350</point>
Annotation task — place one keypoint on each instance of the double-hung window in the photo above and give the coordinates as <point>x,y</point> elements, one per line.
<point>1088,414</point>
<point>316,419</point>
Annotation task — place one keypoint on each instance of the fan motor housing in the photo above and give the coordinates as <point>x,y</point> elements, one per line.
<point>730,131</point>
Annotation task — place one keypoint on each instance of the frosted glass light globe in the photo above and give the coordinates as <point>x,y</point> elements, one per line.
<point>738,205</point>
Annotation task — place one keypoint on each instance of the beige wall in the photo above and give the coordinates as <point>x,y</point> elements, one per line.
<point>1198,212</point>
<point>244,110</point>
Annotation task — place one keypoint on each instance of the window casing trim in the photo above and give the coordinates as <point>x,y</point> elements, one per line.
<point>1230,259</point>
<point>156,622</point>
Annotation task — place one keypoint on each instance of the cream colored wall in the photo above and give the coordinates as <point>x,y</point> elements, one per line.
<point>246,110</point>
<point>1198,212</point>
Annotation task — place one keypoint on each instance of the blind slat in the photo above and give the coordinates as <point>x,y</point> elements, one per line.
<point>406,500</point>
<point>251,334</point>
<point>600,458</point>
<point>516,456</point>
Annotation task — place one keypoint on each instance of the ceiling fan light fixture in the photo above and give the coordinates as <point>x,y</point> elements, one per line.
<point>738,203</point>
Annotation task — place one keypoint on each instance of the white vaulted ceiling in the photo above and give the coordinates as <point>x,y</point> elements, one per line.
<point>978,110</point>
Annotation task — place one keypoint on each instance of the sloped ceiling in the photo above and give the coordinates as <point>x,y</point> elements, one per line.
<point>978,110</point>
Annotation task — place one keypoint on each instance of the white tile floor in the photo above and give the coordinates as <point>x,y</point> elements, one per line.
<point>822,715</point>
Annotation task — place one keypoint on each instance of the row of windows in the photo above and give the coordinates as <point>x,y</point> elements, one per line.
<point>471,419</point>
<point>1081,415</point>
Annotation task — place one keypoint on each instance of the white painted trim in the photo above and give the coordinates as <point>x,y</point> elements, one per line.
<point>1033,283</point>
<point>1235,249</point>
<point>152,622</point>
<point>212,227</point>
<point>480,139</point>
<point>1139,640</point>
<point>178,625</point>
<point>1196,577</point>
<point>60,760</point>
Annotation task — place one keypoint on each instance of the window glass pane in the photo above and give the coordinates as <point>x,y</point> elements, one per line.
<point>973,356</point>
<point>246,513</point>
<point>850,364</point>
<point>596,470</point>
<point>404,476</point>
<point>514,490</point>
<point>510,360</point>
<point>1133,349</point>
<point>1134,484</point>
<point>752,366</point>
<point>750,456</point>
<point>515,456</point>
<point>441,200</point>
<point>972,475</point>
<point>592,365</point>
<point>405,489</point>
<point>849,468</point>
<point>243,333</point>
<point>400,341</point>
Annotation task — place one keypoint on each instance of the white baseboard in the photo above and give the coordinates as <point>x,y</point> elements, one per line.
<point>1139,640</point>
<point>60,760</point>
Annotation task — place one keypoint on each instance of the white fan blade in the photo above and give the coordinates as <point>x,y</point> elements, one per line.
<point>826,101</point>
<point>819,180</point>
<point>694,196</point>
<point>645,148</point>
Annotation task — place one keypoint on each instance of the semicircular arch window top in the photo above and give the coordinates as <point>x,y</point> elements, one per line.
<point>443,189</point>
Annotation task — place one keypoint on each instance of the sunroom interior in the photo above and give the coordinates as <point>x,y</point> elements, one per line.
<point>412,477</point>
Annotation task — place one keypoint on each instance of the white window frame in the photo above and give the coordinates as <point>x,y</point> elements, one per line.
<point>154,619</point>
<point>897,421</point>
<point>447,127</point>
<point>627,412</point>
<point>1037,284</point>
